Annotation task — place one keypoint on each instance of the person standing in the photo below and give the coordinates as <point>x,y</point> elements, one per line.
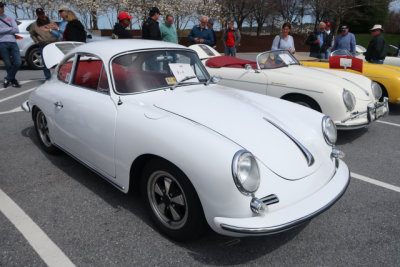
<point>74,30</point>
<point>317,41</point>
<point>40,32</point>
<point>168,30</point>
<point>376,51</point>
<point>330,38</point>
<point>345,40</point>
<point>231,38</point>
<point>120,31</point>
<point>201,34</point>
<point>58,31</point>
<point>9,50</point>
<point>210,25</point>
<point>284,40</point>
<point>150,28</point>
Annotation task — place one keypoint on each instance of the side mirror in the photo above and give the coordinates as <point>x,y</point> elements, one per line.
<point>248,67</point>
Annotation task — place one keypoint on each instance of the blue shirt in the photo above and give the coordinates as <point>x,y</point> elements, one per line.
<point>7,33</point>
<point>205,34</point>
<point>321,38</point>
<point>347,42</point>
<point>61,29</point>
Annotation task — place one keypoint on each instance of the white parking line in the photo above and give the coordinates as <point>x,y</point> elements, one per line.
<point>375,182</point>
<point>17,109</point>
<point>24,92</point>
<point>21,83</point>
<point>389,123</point>
<point>40,242</point>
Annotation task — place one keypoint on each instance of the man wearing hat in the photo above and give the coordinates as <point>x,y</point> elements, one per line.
<point>330,38</point>
<point>120,31</point>
<point>168,30</point>
<point>150,28</point>
<point>346,40</point>
<point>40,32</point>
<point>376,51</point>
<point>9,50</point>
<point>210,25</point>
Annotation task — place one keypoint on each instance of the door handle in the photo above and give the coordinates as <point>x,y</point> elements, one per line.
<point>58,104</point>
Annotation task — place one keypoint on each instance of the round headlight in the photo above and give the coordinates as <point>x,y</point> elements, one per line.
<point>245,172</point>
<point>349,100</point>
<point>329,130</point>
<point>376,90</point>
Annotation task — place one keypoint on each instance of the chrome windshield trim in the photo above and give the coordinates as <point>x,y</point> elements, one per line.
<point>286,226</point>
<point>307,154</point>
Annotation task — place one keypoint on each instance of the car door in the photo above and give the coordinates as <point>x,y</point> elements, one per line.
<point>85,113</point>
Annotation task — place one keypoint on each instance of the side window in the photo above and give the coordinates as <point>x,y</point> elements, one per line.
<point>65,70</point>
<point>90,73</point>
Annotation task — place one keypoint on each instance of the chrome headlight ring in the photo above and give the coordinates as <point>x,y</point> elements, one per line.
<point>329,130</point>
<point>245,172</point>
<point>376,90</point>
<point>349,99</point>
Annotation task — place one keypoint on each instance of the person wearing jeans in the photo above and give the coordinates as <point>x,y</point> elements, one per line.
<point>9,50</point>
<point>231,38</point>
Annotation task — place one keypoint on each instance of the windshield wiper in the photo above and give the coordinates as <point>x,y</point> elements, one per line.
<point>181,81</point>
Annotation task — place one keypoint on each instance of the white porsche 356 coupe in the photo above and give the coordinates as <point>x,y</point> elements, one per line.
<point>146,113</point>
<point>351,100</point>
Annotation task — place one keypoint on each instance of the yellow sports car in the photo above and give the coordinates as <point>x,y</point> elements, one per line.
<point>387,76</point>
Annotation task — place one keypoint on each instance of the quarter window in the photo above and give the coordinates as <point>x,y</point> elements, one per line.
<point>90,73</point>
<point>65,70</point>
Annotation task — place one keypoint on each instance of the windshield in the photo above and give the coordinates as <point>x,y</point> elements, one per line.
<point>276,59</point>
<point>143,71</point>
<point>341,52</point>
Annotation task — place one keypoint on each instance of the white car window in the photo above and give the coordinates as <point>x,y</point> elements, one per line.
<point>65,70</point>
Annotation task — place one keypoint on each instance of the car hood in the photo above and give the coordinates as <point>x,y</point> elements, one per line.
<point>235,115</point>
<point>359,85</point>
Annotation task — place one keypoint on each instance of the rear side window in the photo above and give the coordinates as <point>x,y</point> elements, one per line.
<point>65,70</point>
<point>90,73</point>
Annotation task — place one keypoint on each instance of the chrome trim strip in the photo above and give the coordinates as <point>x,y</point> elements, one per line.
<point>270,199</point>
<point>91,168</point>
<point>286,226</point>
<point>242,81</point>
<point>307,154</point>
<point>354,83</point>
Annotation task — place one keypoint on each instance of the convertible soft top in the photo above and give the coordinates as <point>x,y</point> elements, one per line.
<point>229,62</point>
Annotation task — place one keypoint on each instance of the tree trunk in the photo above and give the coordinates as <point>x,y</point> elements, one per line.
<point>93,20</point>
<point>259,28</point>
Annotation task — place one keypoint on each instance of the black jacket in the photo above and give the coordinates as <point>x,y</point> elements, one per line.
<point>151,30</point>
<point>315,48</point>
<point>121,32</point>
<point>74,32</point>
<point>376,49</point>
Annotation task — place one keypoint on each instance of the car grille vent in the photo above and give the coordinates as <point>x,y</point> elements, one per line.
<point>270,199</point>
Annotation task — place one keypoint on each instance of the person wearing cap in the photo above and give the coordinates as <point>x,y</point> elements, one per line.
<point>168,30</point>
<point>120,31</point>
<point>345,40</point>
<point>42,35</point>
<point>331,38</point>
<point>201,34</point>
<point>318,42</point>
<point>231,38</point>
<point>9,50</point>
<point>150,28</point>
<point>376,51</point>
<point>210,25</point>
<point>58,30</point>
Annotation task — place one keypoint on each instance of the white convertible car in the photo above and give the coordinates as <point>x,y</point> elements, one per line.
<point>351,100</point>
<point>147,114</point>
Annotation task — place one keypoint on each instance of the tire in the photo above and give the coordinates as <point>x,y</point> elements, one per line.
<point>304,101</point>
<point>34,59</point>
<point>172,201</point>
<point>42,132</point>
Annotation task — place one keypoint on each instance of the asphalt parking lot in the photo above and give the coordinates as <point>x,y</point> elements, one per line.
<point>83,220</point>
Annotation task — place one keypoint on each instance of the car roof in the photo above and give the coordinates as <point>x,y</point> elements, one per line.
<point>108,48</point>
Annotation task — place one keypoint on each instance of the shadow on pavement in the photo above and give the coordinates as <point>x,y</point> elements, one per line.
<point>211,248</point>
<point>346,137</point>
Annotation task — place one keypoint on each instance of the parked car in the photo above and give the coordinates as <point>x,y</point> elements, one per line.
<point>30,51</point>
<point>385,75</point>
<point>350,100</point>
<point>147,114</point>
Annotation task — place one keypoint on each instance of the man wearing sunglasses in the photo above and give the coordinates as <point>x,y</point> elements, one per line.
<point>376,51</point>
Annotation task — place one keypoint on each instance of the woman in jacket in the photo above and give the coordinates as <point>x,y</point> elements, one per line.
<point>74,30</point>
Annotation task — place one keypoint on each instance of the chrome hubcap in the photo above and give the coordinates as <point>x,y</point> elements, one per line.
<point>43,130</point>
<point>167,199</point>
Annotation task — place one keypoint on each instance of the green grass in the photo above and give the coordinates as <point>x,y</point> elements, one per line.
<point>390,39</point>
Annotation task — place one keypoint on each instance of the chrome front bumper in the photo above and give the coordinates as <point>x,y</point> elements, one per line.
<point>373,112</point>
<point>25,106</point>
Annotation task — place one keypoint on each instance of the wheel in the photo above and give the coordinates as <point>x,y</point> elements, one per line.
<point>34,59</point>
<point>42,131</point>
<point>172,201</point>
<point>304,101</point>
